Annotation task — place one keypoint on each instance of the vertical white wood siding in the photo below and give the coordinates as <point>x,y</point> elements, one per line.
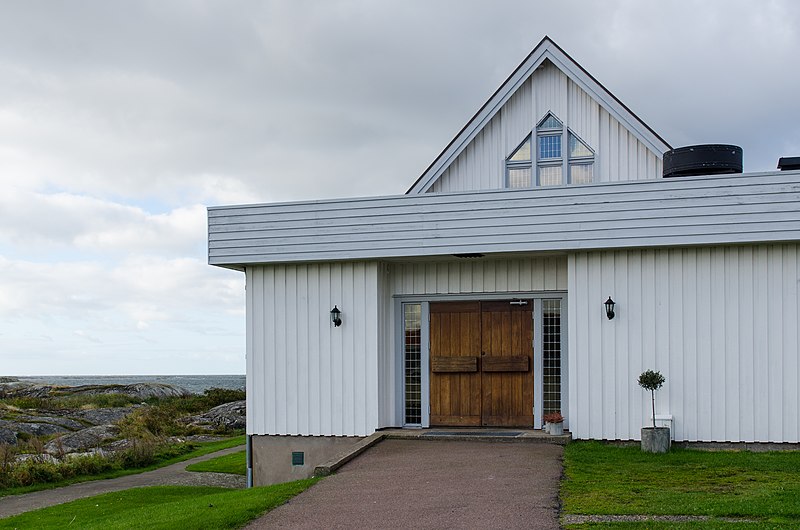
<point>304,376</point>
<point>479,276</point>
<point>619,155</point>
<point>720,323</point>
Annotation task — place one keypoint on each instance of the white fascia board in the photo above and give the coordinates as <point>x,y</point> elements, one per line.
<point>609,102</point>
<point>546,50</point>
<point>479,121</point>
<point>686,211</point>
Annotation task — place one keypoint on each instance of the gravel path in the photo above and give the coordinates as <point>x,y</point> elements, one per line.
<point>433,484</point>
<point>173,475</point>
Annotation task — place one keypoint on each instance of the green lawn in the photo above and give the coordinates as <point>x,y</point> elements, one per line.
<point>184,507</point>
<point>202,449</point>
<point>235,463</point>
<point>608,480</point>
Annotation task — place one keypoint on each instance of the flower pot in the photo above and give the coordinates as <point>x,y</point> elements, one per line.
<point>557,429</point>
<point>656,439</point>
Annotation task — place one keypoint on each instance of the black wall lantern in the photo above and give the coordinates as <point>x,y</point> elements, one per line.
<point>336,316</point>
<point>610,308</point>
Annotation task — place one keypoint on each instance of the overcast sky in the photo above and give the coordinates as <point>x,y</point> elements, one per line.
<point>121,121</point>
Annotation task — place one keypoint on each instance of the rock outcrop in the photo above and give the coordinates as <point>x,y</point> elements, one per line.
<point>62,421</point>
<point>7,436</point>
<point>23,389</point>
<point>102,416</point>
<point>137,391</point>
<point>82,440</point>
<point>34,428</point>
<point>231,415</point>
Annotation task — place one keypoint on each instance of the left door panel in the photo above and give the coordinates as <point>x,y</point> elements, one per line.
<point>455,331</point>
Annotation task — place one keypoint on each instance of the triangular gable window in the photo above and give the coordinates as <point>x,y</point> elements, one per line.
<point>549,164</point>
<point>523,152</point>
<point>577,148</point>
<point>549,122</point>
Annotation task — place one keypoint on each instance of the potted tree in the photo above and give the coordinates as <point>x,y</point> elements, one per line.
<point>554,423</point>
<point>654,439</point>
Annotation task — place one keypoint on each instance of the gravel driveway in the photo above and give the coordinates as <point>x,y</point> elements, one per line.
<point>433,484</point>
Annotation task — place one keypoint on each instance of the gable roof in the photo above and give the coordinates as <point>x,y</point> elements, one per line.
<point>545,50</point>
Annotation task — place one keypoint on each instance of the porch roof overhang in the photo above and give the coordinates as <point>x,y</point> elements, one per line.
<point>687,211</point>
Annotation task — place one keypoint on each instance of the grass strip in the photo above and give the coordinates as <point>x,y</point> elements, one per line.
<point>162,507</point>
<point>601,479</point>
<point>713,524</point>
<point>203,448</point>
<point>235,463</point>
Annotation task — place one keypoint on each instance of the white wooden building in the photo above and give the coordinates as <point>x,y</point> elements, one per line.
<point>477,298</point>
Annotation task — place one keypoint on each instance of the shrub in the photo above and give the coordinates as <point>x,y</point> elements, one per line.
<point>166,452</point>
<point>652,381</point>
<point>219,396</point>
<point>195,403</point>
<point>23,437</point>
<point>31,472</point>
<point>102,401</point>
<point>28,403</point>
<point>90,464</point>
<point>149,422</point>
<point>141,454</point>
<point>8,453</point>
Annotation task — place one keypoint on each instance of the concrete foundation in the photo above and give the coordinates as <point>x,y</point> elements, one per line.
<point>272,456</point>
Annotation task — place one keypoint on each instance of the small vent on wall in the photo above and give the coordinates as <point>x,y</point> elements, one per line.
<point>298,458</point>
<point>467,256</point>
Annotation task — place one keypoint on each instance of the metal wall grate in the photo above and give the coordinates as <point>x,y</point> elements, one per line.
<point>551,355</point>
<point>412,358</point>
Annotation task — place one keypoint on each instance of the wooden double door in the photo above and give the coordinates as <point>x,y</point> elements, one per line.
<point>481,363</point>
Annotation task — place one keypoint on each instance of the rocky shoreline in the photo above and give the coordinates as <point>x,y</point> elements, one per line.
<point>88,429</point>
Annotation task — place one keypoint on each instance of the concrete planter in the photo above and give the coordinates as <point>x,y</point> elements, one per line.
<point>656,439</point>
<point>556,429</point>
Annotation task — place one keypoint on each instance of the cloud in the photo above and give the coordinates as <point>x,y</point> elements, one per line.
<point>138,290</point>
<point>118,124</point>
<point>54,221</point>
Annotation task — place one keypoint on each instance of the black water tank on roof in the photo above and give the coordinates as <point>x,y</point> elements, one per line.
<point>707,159</point>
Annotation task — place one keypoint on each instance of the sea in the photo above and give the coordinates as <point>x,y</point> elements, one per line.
<point>193,383</point>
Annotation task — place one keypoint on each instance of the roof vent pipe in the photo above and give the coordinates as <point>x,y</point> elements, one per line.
<point>789,163</point>
<point>707,159</point>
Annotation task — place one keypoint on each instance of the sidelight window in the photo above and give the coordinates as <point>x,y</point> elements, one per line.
<point>412,363</point>
<point>551,355</point>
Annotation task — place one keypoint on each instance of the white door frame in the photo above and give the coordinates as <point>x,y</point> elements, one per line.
<point>538,331</point>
